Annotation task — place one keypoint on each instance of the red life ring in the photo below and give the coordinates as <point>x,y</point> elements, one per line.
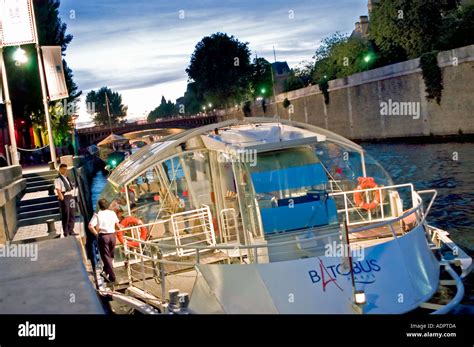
<point>130,222</point>
<point>359,197</point>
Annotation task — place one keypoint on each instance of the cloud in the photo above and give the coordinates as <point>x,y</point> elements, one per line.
<point>146,44</point>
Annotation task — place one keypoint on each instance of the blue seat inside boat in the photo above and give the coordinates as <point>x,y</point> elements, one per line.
<point>309,208</point>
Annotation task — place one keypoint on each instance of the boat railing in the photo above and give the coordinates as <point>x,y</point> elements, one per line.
<point>356,215</point>
<point>410,219</point>
<point>155,260</point>
<point>150,262</point>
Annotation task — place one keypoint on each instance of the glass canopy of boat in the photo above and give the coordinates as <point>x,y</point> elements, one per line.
<point>156,152</point>
<point>282,184</point>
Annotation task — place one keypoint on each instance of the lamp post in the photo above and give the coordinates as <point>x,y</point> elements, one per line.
<point>8,105</point>
<point>74,142</point>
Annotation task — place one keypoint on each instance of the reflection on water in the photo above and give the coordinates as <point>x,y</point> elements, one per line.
<point>434,166</point>
<point>98,184</point>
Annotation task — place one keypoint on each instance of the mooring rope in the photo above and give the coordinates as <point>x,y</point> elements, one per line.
<point>31,150</point>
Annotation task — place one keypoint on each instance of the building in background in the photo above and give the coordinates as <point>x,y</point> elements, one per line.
<point>281,71</point>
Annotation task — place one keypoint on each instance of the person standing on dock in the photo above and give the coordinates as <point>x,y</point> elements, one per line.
<point>104,224</point>
<point>67,201</point>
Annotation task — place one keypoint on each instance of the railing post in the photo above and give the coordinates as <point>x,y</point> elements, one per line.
<point>381,203</point>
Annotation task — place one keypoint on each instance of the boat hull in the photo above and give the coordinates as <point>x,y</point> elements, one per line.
<point>396,276</point>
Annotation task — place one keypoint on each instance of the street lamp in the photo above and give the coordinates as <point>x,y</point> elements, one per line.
<point>20,56</point>
<point>210,105</point>
<point>367,60</point>
<point>263,91</point>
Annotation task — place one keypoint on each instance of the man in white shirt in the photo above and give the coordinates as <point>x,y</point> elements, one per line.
<point>104,224</point>
<point>65,192</point>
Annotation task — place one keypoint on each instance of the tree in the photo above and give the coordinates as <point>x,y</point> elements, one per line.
<point>293,82</point>
<point>220,67</point>
<point>406,28</point>
<point>457,28</point>
<point>340,56</point>
<point>193,99</point>
<point>261,81</point>
<point>166,109</point>
<point>118,112</point>
<point>25,88</point>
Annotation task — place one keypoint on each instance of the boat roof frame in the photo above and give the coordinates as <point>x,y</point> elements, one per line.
<point>168,144</point>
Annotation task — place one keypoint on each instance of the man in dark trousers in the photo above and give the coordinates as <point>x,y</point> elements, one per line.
<point>104,225</point>
<point>67,201</point>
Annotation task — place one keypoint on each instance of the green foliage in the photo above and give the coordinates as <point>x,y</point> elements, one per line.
<point>340,56</point>
<point>220,66</point>
<point>247,109</point>
<point>293,82</point>
<point>327,44</point>
<point>261,80</point>
<point>458,28</point>
<point>192,100</point>
<point>343,56</point>
<point>166,109</point>
<point>432,75</point>
<point>406,28</point>
<point>118,112</point>
<point>324,88</point>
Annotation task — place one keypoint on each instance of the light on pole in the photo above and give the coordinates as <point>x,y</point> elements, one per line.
<point>20,56</point>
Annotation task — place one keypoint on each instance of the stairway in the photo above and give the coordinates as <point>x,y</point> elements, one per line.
<point>39,203</point>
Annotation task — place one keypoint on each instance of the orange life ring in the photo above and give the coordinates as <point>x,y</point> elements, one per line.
<point>367,183</point>
<point>130,222</point>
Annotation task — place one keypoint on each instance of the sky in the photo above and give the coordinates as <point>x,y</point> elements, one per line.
<point>141,48</point>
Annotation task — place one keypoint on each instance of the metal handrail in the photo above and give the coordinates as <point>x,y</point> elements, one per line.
<point>234,247</point>
<point>389,221</point>
<point>379,189</point>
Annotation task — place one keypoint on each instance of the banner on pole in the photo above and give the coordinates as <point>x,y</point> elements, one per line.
<point>53,69</point>
<point>16,23</point>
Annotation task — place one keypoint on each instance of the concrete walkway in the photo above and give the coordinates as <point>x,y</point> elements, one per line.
<point>54,283</point>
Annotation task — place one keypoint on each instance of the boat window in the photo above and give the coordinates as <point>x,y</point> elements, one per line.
<point>287,174</point>
<point>144,195</point>
<point>188,181</point>
<point>342,165</point>
<point>290,187</point>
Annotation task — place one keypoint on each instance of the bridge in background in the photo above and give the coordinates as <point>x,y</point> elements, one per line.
<point>88,136</point>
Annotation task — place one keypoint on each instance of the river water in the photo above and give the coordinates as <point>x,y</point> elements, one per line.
<point>446,167</point>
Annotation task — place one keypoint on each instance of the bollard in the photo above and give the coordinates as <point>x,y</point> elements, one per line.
<point>183,301</point>
<point>173,299</point>
<point>51,226</point>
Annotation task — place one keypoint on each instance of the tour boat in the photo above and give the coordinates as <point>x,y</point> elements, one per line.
<point>266,216</point>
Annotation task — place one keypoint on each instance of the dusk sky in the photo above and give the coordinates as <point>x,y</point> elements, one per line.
<point>141,48</point>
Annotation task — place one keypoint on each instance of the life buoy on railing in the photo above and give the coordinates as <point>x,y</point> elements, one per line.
<point>131,222</point>
<point>359,197</point>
